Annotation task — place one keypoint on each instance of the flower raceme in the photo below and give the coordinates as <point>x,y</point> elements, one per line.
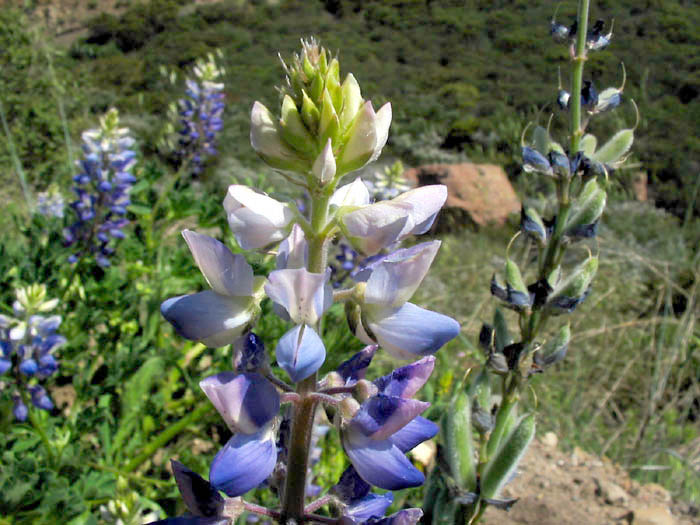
<point>325,131</point>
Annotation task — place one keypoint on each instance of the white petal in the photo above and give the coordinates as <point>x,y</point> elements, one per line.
<point>376,226</point>
<point>303,294</point>
<point>255,219</point>
<point>324,167</point>
<point>353,194</point>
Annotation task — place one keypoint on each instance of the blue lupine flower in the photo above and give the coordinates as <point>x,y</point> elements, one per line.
<point>201,114</point>
<point>102,190</point>
<point>50,203</point>
<point>249,354</point>
<point>215,317</point>
<point>244,462</point>
<point>249,404</point>
<point>201,498</point>
<point>402,328</point>
<point>361,504</point>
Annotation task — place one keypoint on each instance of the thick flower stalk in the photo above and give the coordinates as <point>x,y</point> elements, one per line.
<point>551,287</point>
<point>325,131</point>
<point>201,112</point>
<point>102,189</point>
<point>28,343</point>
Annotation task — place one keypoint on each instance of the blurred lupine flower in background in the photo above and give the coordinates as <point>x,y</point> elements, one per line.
<point>201,113</point>
<point>28,342</point>
<point>102,188</point>
<point>388,183</point>
<point>50,203</point>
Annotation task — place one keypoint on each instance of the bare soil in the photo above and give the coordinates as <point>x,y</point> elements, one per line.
<point>557,488</point>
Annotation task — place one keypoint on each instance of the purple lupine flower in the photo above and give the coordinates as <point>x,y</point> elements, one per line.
<point>50,203</point>
<point>249,404</point>
<point>387,425</point>
<point>201,114</point>
<point>102,190</point>
<point>360,503</point>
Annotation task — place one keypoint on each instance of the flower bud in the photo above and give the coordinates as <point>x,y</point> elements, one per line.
<point>255,219</point>
<point>532,225</point>
<point>266,139</point>
<point>555,349</point>
<point>586,212</point>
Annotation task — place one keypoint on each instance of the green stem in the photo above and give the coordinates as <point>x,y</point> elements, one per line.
<point>577,79</point>
<point>165,436</point>
<point>510,400</point>
<point>304,411</point>
<point>40,430</point>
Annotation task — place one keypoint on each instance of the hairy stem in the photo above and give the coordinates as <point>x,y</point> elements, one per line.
<point>305,410</point>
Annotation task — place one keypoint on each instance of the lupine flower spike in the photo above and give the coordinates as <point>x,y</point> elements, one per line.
<point>102,188</point>
<point>325,131</point>
<point>28,344</point>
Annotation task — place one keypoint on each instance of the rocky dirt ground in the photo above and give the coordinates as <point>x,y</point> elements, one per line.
<point>557,488</point>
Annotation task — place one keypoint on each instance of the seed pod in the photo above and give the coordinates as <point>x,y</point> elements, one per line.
<point>587,211</point>
<point>503,337</point>
<point>504,463</point>
<point>588,144</point>
<point>614,149</point>
<point>555,349</point>
<point>459,444</point>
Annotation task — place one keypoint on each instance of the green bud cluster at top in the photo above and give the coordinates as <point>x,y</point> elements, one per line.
<point>317,111</point>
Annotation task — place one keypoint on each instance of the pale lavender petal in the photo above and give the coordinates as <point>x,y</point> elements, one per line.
<point>300,352</point>
<point>414,433</point>
<point>226,273</point>
<point>396,278</point>
<point>374,227</point>
<point>244,463</point>
<point>380,463</point>
<point>411,331</point>
<point>407,380</point>
<point>425,203</point>
<point>293,252</point>
<point>304,295</point>
<point>247,402</point>
<point>215,320</point>
<point>402,517</point>
<point>381,416</point>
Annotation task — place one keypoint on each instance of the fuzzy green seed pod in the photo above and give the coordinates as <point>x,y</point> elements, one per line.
<point>505,461</point>
<point>588,144</point>
<point>459,443</point>
<point>614,149</point>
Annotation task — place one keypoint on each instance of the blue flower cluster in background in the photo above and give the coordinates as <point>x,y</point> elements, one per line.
<point>27,345</point>
<point>102,190</point>
<point>201,113</point>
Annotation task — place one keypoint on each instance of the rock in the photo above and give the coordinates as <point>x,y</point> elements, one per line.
<point>639,186</point>
<point>550,440</point>
<point>578,457</point>
<point>656,515</point>
<point>612,493</point>
<point>481,190</point>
